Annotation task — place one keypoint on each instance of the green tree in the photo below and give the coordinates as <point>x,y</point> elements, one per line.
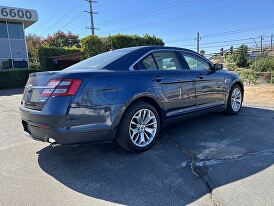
<point>240,56</point>
<point>202,52</point>
<point>34,42</point>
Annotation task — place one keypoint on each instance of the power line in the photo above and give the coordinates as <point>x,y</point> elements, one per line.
<point>147,13</point>
<point>225,33</point>
<point>216,10</point>
<point>139,12</point>
<point>52,26</point>
<point>220,42</point>
<point>219,46</point>
<point>240,30</point>
<point>234,40</point>
<point>52,16</point>
<point>71,21</point>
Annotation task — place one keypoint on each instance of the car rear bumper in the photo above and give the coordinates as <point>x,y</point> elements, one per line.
<point>39,127</point>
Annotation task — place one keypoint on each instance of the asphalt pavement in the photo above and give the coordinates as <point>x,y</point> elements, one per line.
<point>209,160</point>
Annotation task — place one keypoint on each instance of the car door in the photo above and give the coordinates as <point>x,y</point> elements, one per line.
<point>174,85</point>
<point>210,84</point>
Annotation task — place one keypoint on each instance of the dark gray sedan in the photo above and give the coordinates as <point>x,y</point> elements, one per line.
<point>126,94</point>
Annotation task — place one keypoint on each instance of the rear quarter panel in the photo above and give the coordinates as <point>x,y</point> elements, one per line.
<point>105,96</point>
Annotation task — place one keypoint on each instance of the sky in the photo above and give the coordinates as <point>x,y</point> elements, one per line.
<point>221,24</point>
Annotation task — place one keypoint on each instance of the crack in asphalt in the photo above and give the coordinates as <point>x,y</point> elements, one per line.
<point>238,157</point>
<point>198,168</point>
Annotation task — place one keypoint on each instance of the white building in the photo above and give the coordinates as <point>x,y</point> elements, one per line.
<point>13,48</point>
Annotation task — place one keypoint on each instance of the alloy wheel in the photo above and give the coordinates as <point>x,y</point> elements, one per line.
<point>236,99</point>
<point>143,127</point>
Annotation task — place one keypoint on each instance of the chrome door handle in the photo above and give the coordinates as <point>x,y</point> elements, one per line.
<point>200,76</point>
<point>158,79</point>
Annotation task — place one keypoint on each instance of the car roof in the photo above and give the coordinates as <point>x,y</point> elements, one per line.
<point>132,54</point>
<point>148,48</point>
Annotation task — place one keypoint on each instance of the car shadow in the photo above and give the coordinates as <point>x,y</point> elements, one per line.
<point>232,147</point>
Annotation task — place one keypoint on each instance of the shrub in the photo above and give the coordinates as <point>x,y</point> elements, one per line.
<point>264,64</point>
<point>231,67</point>
<point>249,76</point>
<point>45,53</point>
<point>14,78</point>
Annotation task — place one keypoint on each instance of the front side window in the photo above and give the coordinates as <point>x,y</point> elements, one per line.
<point>196,63</point>
<point>166,60</point>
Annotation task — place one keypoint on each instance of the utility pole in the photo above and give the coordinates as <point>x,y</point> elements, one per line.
<point>91,12</point>
<point>198,42</point>
<point>261,44</point>
<point>271,42</point>
<point>256,52</point>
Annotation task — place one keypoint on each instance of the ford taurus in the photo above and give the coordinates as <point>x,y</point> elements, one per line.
<point>126,94</point>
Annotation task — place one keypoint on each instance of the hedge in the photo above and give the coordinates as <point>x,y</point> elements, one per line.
<point>122,41</point>
<point>14,78</point>
<point>93,45</point>
<point>45,53</point>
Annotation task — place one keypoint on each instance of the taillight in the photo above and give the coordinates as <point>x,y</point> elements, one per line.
<point>58,87</point>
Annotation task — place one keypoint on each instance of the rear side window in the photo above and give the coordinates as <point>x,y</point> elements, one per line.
<point>147,63</point>
<point>166,60</point>
<point>159,60</point>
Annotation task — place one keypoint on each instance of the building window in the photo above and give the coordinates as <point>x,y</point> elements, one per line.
<point>20,63</point>
<point>13,51</point>
<point>3,30</point>
<point>18,48</point>
<point>16,31</point>
<point>5,64</point>
<point>4,49</point>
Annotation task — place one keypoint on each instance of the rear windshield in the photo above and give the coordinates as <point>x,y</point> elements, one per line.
<point>98,62</point>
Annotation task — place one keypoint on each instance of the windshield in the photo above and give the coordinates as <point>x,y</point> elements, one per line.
<point>97,62</point>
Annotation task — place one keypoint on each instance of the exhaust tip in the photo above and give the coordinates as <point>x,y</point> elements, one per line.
<point>51,141</point>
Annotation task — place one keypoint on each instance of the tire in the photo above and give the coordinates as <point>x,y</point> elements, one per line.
<point>235,100</point>
<point>139,137</point>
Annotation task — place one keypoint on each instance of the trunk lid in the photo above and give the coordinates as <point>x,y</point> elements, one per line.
<point>32,97</point>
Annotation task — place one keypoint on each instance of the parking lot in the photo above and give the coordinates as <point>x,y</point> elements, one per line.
<point>209,160</point>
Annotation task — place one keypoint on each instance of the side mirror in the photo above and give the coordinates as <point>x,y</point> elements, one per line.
<point>218,66</point>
